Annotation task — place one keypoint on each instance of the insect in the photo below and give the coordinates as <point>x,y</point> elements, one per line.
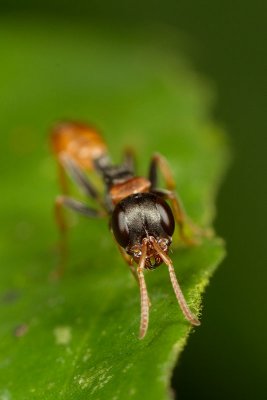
<point>140,218</point>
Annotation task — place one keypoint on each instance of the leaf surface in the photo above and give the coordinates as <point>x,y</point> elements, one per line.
<point>78,338</point>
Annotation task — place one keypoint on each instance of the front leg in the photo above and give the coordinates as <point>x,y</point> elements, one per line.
<point>129,159</point>
<point>158,162</point>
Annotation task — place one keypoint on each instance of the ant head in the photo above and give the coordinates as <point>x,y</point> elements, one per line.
<point>143,218</point>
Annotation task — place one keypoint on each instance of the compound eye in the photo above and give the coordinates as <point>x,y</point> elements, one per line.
<point>119,226</point>
<point>166,217</point>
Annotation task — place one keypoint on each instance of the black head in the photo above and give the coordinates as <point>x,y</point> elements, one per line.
<point>139,216</point>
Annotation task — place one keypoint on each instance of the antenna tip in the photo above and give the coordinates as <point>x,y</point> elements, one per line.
<point>195,321</point>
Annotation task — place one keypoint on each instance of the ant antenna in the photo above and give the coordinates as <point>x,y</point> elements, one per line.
<point>143,292</point>
<point>176,287</point>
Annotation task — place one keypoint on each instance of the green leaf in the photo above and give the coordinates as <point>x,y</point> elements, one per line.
<point>78,338</point>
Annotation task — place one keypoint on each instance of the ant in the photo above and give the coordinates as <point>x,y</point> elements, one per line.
<point>140,219</point>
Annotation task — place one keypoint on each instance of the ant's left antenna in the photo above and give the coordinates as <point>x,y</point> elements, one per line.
<point>143,292</point>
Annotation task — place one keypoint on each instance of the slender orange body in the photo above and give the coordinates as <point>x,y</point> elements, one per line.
<point>80,142</point>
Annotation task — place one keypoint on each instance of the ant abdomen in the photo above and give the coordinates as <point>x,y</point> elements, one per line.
<point>81,142</point>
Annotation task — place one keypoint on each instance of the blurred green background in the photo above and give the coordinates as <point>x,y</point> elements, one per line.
<point>226,42</point>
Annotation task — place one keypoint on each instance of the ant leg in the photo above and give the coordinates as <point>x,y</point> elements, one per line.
<point>77,206</point>
<point>62,177</point>
<point>129,159</point>
<point>80,178</point>
<point>160,162</point>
